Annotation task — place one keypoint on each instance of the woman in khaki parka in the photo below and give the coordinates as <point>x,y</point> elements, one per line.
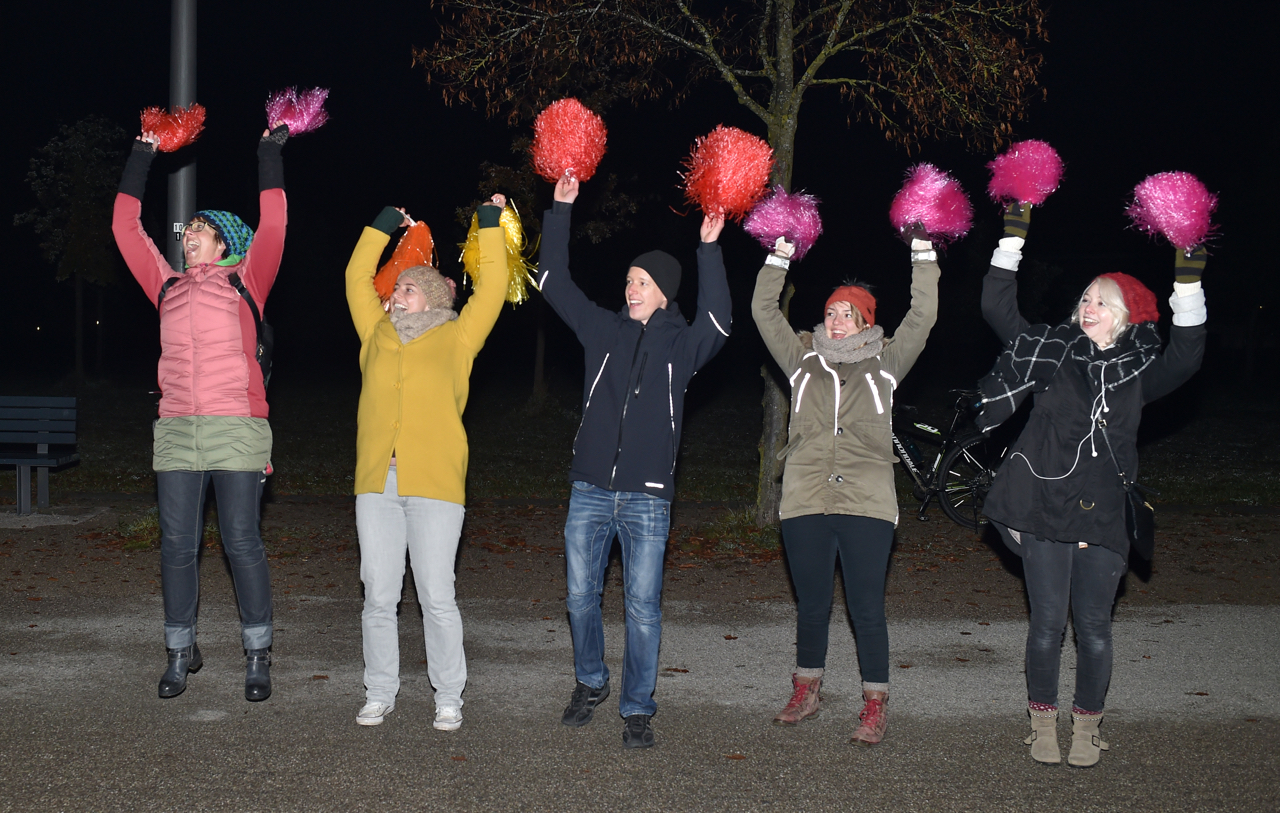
<point>837,487</point>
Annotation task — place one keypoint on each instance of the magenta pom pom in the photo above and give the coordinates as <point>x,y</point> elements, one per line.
<point>1028,172</point>
<point>784,214</point>
<point>935,200</point>
<point>301,111</point>
<point>1175,205</point>
<point>568,138</point>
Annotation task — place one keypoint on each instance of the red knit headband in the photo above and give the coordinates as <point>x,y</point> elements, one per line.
<point>858,297</point>
<point>1137,297</point>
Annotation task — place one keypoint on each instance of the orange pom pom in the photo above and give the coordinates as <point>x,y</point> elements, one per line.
<point>415,248</point>
<point>567,137</point>
<point>728,172</point>
<point>175,129</point>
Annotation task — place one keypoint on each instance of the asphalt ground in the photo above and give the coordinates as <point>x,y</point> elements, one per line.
<point>1191,720</point>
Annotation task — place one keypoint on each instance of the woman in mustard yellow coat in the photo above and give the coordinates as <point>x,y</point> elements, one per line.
<point>416,354</point>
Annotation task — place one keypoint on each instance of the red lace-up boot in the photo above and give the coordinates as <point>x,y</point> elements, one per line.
<point>874,718</point>
<point>804,700</point>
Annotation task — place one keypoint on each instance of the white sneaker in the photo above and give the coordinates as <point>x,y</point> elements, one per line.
<point>372,713</point>
<point>448,718</point>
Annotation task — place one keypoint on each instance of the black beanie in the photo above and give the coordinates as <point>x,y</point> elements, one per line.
<point>663,269</point>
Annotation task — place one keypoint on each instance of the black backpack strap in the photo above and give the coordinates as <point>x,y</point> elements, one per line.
<point>236,283</point>
<point>164,289</point>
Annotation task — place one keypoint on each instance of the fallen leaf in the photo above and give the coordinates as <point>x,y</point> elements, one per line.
<point>458,758</point>
<point>984,623</point>
<point>674,669</point>
<point>319,677</point>
<point>963,660</point>
<point>904,666</point>
<point>731,637</point>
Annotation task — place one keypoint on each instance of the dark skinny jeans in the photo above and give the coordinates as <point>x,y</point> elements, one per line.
<point>181,499</point>
<point>1059,574</point>
<point>863,543</point>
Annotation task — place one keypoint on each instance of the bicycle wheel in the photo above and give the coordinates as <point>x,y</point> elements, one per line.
<point>964,479</point>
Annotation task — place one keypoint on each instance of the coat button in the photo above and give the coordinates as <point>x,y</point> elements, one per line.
<point>396,385</point>
<point>839,430</point>
<point>839,479</point>
<point>395,424</point>
<point>842,383</point>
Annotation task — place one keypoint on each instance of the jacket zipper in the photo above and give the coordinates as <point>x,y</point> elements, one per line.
<point>613,472</point>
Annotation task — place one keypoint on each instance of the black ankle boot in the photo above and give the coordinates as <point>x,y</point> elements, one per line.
<point>257,674</point>
<point>181,662</point>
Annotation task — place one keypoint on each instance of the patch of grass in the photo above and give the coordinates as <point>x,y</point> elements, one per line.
<point>734,533</point>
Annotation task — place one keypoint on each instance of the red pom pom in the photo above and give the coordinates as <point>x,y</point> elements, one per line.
<point>175,129</point>
<point>935,200</point>
<point>415,248</point>
<point>567,138</point>
<point>728,172</point>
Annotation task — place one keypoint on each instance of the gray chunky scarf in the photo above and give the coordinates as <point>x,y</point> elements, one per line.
<point>850,349</point>
<point>412,325</point>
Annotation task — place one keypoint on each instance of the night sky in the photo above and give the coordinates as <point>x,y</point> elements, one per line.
<point>1133,88</point>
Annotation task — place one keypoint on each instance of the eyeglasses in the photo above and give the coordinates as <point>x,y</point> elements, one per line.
<point>199,226</point>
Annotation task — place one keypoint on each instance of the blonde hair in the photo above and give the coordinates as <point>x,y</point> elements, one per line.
<point>1114,299</point>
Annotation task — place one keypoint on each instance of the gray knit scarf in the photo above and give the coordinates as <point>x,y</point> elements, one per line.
<point>412,325</point>
<point>851,348</point>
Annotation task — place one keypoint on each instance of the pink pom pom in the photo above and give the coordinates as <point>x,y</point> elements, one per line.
<point>302,112</point>
<point>783,214</point>
<point>935,200</point>
<point>175,129</point>
<point>728,172</point>
<point>1176,205</point>
<point>1028,172</point>
<point>567,138</point>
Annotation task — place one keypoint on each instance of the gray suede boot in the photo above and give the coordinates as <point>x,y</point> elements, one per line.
<point>1086,745</point>
<point>1044,737</point>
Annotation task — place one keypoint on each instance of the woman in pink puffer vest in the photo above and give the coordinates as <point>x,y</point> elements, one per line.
<point>213,425</point>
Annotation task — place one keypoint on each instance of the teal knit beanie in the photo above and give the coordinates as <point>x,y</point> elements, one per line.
<point>231,230</point>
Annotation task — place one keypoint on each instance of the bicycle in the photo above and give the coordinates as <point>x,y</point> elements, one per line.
<point>963,469</point>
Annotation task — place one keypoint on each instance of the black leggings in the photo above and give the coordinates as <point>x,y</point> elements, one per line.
<point>863,543</point>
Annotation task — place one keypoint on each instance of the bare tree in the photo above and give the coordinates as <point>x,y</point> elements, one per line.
<point>74,179</point>
<point>913,68</point>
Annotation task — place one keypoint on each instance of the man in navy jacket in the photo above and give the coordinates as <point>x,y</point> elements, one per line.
<point>638,363</point>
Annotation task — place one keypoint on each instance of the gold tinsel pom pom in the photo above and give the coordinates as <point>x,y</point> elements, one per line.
<point>519,269</point>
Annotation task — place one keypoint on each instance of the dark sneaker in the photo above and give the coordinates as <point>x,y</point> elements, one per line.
<point>583,704</point>
<point>637,732</point>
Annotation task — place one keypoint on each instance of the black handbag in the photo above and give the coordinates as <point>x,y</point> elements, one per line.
<point>1139,515</point>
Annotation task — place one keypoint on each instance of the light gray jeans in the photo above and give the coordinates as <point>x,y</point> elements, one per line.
<point>389,526</point>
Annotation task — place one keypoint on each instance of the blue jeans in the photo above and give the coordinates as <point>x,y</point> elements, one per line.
<point>1058,575</point>
<point>811,543</point>
<point>181,503</point>
<point>641,522</point>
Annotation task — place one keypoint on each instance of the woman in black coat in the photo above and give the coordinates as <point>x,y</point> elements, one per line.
<point>1058,500</point>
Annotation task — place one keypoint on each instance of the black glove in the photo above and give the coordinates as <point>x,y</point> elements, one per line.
<point>1017,219</point>
<point>915,232</point>
<point>270,165</point>
<point>134,180</point>
<point>1189,267</point>
<point>388,220</point>
<point>488,215</point>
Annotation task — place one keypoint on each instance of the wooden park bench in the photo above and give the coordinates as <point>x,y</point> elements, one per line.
<point>39,422</point>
